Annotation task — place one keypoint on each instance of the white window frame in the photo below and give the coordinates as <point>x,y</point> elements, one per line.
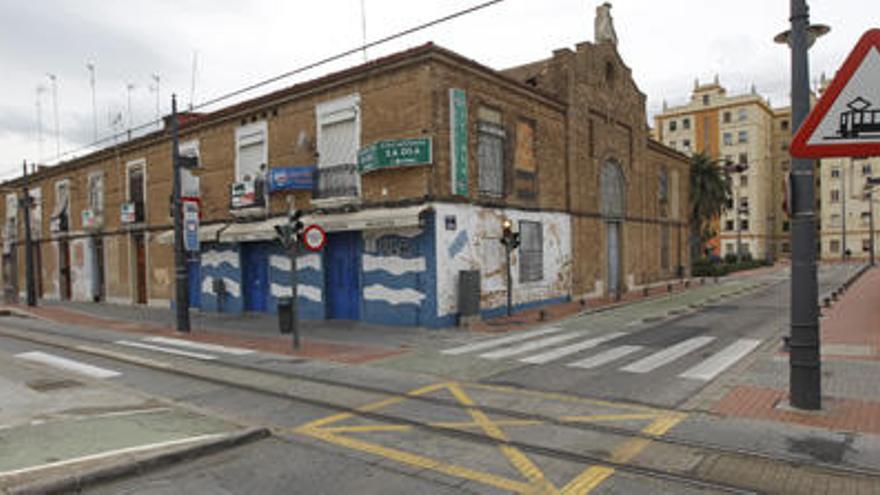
<point>522,257</point>
<point>190,148</point>
<point>36,213</point>
<point>255,132</point>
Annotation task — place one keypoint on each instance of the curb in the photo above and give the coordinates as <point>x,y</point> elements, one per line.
<point>77,481</point>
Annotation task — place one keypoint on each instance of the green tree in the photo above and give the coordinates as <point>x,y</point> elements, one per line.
<point>709,194</point>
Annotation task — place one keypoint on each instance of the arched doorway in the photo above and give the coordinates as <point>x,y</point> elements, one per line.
<point>613,212</point>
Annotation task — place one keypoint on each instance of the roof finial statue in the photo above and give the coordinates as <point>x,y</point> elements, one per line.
<point>665,105</point>
<point>717,80</point>
<point>604,25</point>
<point>754,89</point>
<point>696,83</point>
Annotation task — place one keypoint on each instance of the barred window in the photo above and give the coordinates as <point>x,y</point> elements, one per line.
<point>490,152</point>
<point>531,251</point>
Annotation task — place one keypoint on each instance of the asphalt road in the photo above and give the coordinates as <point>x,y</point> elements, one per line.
<point>315,449</point>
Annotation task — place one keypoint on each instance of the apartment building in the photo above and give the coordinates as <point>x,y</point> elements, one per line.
<point>410,163</point>
<point>846,210</point>
<point>741,130</point>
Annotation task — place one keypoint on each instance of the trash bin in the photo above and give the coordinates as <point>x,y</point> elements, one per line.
<point>285,316</point>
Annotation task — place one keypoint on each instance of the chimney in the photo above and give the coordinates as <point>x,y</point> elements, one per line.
<point>603,31</point>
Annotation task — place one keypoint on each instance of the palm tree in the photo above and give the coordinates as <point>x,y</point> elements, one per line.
<point>710,192</point>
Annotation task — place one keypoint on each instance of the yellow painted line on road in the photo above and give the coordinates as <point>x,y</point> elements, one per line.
<point>584,483</point>
<point>375,405</point>
<point>587,481</point>
<point>516,457</point>
<point>422,462</point>
<point>562,397</point>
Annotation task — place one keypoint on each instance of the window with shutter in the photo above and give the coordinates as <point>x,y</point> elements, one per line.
<point>490,157</point>
<point>531,251</point>
<point>251,152</point>
<point>338,144</point>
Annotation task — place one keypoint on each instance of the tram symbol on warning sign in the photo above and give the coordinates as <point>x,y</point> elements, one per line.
<point>846,120</point>
<point>859,122</point>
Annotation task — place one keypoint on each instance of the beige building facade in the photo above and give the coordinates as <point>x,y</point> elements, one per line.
<point>846,211</point>
<point>736,130</point>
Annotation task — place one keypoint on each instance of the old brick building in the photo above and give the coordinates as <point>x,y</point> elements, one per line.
<point>410,163</point>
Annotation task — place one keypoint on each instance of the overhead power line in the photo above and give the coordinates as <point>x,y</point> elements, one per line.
<point>285,75</point>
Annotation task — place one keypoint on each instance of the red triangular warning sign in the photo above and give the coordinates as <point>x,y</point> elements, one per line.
<point>846,121</point>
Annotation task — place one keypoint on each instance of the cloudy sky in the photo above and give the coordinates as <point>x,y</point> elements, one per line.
<point>236,43</point>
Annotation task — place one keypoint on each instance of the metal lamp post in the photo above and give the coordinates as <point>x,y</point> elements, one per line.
<point>805,390</point>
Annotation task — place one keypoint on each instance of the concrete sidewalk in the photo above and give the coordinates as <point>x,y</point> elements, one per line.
<point>850,340</point>
<point>58,430</point>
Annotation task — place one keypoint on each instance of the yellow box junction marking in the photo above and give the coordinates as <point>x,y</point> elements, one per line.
<point>535,482</point>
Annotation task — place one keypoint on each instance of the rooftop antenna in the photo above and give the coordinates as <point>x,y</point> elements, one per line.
<point>128,89</point>
<point>155,87</point>
<point>91,68</point>
<point>40,90</point>
<point>192,87</point>
<point>364,27</point>
<point>54,79</point>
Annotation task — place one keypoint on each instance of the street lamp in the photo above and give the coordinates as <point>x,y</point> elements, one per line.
<point>805,384</point>
<point>510,240</point>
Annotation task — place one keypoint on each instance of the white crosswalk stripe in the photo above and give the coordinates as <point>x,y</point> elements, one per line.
<point>67,364</point>
<point>487,344</point>
<point>167,350</point>
<point>530,346</point>
<point>719,362</point>
<point>199,346</point>
<point>605,357</point>
<point>667,355</point>
<point>568,350</point>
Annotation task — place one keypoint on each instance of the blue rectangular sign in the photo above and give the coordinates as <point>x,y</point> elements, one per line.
<point>286,178</point>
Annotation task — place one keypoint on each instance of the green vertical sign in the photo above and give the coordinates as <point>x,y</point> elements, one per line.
<point>458,141</point>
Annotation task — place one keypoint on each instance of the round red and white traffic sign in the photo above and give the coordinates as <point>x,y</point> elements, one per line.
<point>314,237</point>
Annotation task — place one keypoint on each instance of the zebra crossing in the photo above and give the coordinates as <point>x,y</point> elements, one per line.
<point>166,345</point>
<point>581,349</point>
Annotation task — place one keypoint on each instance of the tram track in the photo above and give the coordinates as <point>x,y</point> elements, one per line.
<point>259,381</point>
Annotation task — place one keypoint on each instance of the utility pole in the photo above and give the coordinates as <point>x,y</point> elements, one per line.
<point>54,80</point>
<point>25,204</point>
<point>91,68</point>
<point>181,282</point>
<point>805,385</point>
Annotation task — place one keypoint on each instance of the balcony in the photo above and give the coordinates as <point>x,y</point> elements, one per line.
<point>337,184</point>
<point>247,198</point>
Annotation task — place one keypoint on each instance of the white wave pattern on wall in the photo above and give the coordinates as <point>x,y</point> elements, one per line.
<point>394,265</point>
<point>233,288</point>
<point>279,262</point>
<point>282,263</point>
<point>215,258</point>
<point>377,292</point>
<point>309,261</point>
<point>309,292</point>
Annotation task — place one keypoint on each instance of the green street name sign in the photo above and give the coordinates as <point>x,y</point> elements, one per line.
<point>395,153</point>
